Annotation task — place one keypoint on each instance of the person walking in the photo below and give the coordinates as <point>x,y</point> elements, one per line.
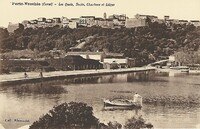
<point>25,75</point>
<point>41,74</point>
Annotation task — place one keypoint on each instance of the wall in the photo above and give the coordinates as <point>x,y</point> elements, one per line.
<point>134,22</point>
<point>72,25</point>
<point>196,23</point>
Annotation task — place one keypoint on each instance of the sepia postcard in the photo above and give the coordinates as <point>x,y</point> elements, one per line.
<point>99,64</point>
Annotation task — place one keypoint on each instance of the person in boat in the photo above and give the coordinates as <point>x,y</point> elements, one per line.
<point>136,94</point>
<point>137,99</point>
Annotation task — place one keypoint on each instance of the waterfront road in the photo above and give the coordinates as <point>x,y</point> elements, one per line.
<point>19,76</point>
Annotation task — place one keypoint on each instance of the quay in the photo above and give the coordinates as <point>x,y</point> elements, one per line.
<point>18,77</point>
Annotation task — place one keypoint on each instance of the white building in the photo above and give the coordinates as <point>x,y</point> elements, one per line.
<point>151,17</point>
<point>72,24</point>
<point>86,20</point>
<point>89,55</point>
<point>195,22</point>
<point>134,22</point>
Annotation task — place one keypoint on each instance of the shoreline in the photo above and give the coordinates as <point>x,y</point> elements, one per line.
<point>167,70</point>
<point>18,77</point>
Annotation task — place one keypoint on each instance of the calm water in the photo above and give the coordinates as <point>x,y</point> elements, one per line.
<point>91,90</point>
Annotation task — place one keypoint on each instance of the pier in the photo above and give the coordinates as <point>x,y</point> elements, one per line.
<point>18,77</point>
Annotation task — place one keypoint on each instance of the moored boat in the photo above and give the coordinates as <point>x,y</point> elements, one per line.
<point>135,103</point>
<point>121,103</point>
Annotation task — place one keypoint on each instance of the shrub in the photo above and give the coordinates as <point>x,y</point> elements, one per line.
<point>49,69</point>
<point>18,69</point>
<point>43,63</point>
<point>67,116</point>
<point>114,125</point>
<point>137,123</point>
<point>80,116</point>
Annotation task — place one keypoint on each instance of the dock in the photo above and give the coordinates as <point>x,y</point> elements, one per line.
<point>18,77</point>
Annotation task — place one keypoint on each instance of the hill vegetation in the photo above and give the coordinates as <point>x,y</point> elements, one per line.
<point>144,43</point>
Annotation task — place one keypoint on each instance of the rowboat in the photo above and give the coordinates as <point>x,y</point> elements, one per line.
<point>121,103</point>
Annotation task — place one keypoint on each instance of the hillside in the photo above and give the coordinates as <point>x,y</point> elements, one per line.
<point>145,44</point>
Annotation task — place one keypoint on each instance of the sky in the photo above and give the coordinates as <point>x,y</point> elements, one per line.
<point>176,9</point>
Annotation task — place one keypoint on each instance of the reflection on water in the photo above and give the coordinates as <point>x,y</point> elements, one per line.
<point>91,90</point>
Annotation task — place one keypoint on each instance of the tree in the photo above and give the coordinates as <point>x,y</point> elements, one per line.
<point>3,33</point>
<point>80,116</point>
<point>72,115</point>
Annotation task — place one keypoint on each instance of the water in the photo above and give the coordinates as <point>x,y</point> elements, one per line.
<point>30,106</point>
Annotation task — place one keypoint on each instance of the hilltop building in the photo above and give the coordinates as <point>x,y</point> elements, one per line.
<point>72,24</point>
<point>86,21</point>
<point>104,15</point>
<point>166,18</point>
<point>141,20</point>
<point>41,22</point>
<point>118,20</point>
<point>65,22</point>
<point>24,23</point>
<point>12,27</point>
<point>75,20</point>
<point>113,21</point>
<point>134,22</point>
<point>183,22</point>
<point>151,17</point>
<point>195,23</point>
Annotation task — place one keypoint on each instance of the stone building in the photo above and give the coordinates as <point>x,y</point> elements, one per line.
<point>74,62</point>
<point>166,18</point>
<point>151,17</point>
<point>65,22</point>
<point>87,21</point>
<point>118,20</point>
<point>134,22</point>
<point>32,24</point>
<point>12,27</point>
<point>195,22</point>
<point>72,24</point>
<point>183,22</point>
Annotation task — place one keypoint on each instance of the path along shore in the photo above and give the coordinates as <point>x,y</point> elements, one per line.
<point>34,76</point>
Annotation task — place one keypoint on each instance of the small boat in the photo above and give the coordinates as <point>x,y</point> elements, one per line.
<point>121,103</point>
<point>184,69</point>
<point>124,103</point>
